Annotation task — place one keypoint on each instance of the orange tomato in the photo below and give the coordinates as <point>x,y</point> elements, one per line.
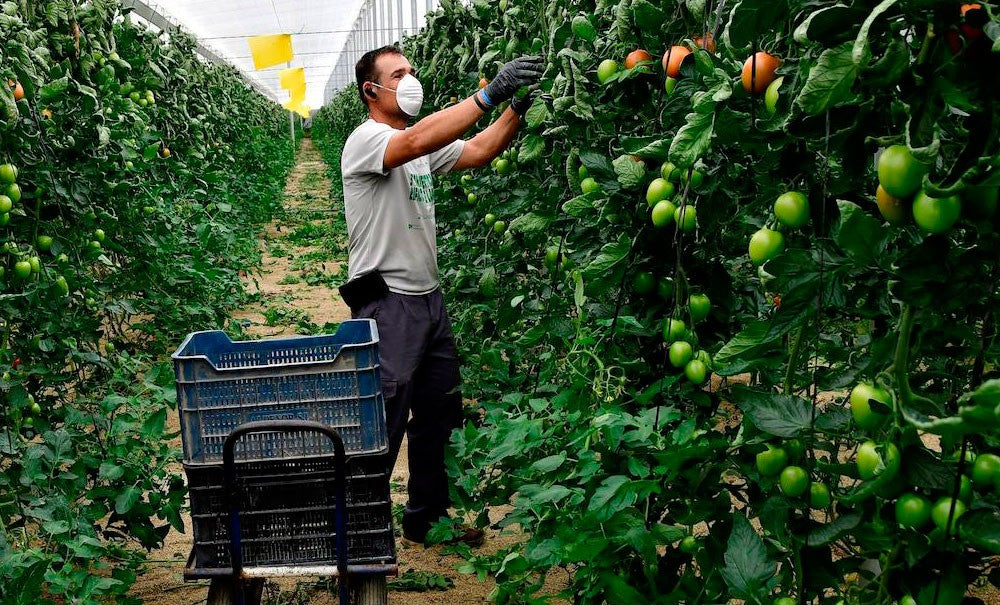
<point>483,82</point>
<point>635,57</point>
<point>673,58</point>
<point>708,43</point>
<point>18,90</point>
<point>756,80</point>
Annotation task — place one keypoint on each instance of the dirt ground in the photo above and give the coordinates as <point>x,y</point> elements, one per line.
<point>307,196</point>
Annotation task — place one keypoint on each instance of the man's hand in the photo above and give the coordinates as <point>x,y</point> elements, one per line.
<point>519,72</point>
<point>523,104</point>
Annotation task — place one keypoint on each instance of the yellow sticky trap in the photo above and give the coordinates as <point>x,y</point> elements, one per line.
<point>270,50</point>
<point>303,110</point>
<point>292,78</point>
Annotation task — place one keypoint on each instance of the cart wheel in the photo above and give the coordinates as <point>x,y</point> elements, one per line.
<point>223,591</point>
<point>369,590</point>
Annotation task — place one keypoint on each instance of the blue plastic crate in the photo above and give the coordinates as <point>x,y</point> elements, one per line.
<point>333,379</point>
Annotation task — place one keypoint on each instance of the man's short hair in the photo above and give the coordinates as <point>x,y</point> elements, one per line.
<point>365,70</point>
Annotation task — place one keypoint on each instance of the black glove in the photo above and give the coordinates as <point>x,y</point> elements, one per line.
<point>523,104</point>
<point>519,72</point>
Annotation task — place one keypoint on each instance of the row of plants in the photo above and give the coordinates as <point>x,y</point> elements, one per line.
<point>731,319</point>
<point>134,175</point>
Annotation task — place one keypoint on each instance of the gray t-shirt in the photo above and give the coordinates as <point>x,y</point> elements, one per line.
<point>390,214</point>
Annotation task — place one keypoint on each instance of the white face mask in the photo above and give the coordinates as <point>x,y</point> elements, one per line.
<point>409,94</point>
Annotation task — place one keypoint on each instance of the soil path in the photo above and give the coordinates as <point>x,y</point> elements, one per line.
<point>304,260</point>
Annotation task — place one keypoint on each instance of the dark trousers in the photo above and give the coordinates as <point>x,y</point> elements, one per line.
<point>420,382</point>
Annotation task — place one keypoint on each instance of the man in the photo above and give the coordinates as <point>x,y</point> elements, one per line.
<point>392,254</point>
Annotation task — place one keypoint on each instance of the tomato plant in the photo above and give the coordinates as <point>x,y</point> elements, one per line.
<point>585,432</point>
<point>102,243</point>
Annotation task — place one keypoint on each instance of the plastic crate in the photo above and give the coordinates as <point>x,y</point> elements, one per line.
<point>287,512</point>
<point>333,379</point>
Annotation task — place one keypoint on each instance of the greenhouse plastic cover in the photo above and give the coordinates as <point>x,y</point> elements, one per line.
<point>328,36</point>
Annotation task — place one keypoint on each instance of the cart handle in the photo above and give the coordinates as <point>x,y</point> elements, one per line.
<point>340,478</point>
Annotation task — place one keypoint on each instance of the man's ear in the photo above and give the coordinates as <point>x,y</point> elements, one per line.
<point>371,93</point>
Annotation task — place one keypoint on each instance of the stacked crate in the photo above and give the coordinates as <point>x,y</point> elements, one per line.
<point>285,479</point>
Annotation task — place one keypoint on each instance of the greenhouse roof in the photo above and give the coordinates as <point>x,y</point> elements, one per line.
<point>327,36</point>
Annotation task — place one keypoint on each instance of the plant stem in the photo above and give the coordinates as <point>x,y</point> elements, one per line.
<point>901,359</point>
<point>792,357</point>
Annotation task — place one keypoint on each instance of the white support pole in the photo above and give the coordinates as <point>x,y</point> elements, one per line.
<point>291,119</point>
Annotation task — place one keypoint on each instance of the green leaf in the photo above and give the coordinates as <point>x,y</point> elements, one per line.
<point>827,24</point>
<point>829,81</point>
<point>833,531</point>
<point>597,164</point>
<point>127,500</point>
<point>696,8</point>
<point>774,413</point>
<point>110,472</point>
<point>860,47</point>
<point>618,592</point>
<point>981,528</point>
<point>858,234</point>
<point>581,205</point>
<point>748,571</point>
<point>548,463</point>
<point>612,496</point>
<point>647,17</point>
<point>531,148</point>
<point>630,172</point>
<point>53,89</point>
<point>751,19</point>
<point>150,151</point>
<point>923,469</point>
<point>647,148</point>
<point>153,426</point>
<point>747,344</point>
<point>692,139</point>
<point>611,255</point>
<point>537,114</point>
<point>530,223</point>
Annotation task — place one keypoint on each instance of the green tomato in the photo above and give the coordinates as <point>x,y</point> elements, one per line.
<point>873,464</point>
<point>499,227</point>
<point>466,179</point>
<point>6,204</point>
<point>490,219</point>
<point>62,286</point>
<point>4,219</point>
<point>696,371</point>
<point>8,173</point>
<point>471,198</point>
<point>589,185</point>
<point>99,235</point>
<point>680,353</point>
<point>703,356</point>
<point>771,461</point>
<point>14,192</point>
<point>22,269</point>
<point>965,489</point>
<point>670,84</point>
<point>503,166</point>
<point>659,189</point>
<point>785,601</point>
<point>663,213</point>
<point>796,449</point>
<point>819,495</point>
<point>582,172</point>
<point>794,481</point>
<point>44,243</point>
<point>35,263</point>
<point>699,305</point>
<point>643,283</point>
<point>606,69</point>
<point>899,173</point>
<point>689,545</point>
<point>936,215</point>
<point>792,209</point>
<point>669,171</point>
<point>771,95</point>
<point>942,510</point>
<point>694,177</point>
<point>861,410</point>
<point>665,288</point>
<point>674,330</point>
<point>986,471</point>
<point>765,244</point>
<point>686,217</point>
<point>913,511</point>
